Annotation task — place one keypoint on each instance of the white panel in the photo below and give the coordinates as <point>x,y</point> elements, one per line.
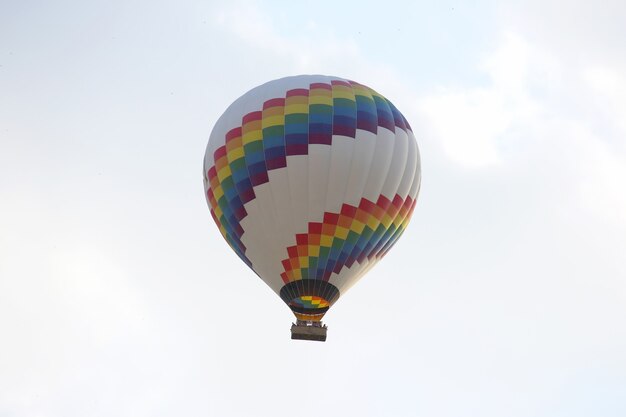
<point>397,166</point>
<point>284,232</point>
<point>261,255</point>
<point>265,203</point>
<point>364,155</point>
<point>409,171</point>
<point>298,173</point>
<point>380,164</point>
<point>319,168</point>
<point>341,152</point>
<point>417,182</point>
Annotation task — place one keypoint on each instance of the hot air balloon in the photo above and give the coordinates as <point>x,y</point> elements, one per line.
<point>311,180</point>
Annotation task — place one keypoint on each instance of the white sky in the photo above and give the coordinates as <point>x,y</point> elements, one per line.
<point>506,296</point>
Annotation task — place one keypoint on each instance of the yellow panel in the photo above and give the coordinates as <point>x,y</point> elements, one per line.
<point>218,193</point>
<point>297,108</point>
<point>326,241</point>
<point>373,222</point>
<point>314,250</point>
<point>297,274</point>
<point>273,121</point>
<point>304,261</point>
<point>341,232</point>
<point>306,297</point>
<point>386,221</point>
<point>357,226</point>
<point>224,173</point>
<point>406,220</point>
<point>252,136</point>
<point>235,154</point>
<point>321,100</point>
<point>347,94</point>
<point>362,92</point>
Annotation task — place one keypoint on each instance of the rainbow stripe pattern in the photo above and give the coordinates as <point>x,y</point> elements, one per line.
<point>353,235</point>
<point>287,126</point>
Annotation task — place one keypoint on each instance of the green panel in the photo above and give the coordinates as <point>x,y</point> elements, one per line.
<point>237,164</point>
<point>297,118</point>
<point>256,146</point>
<point>274,131</point>
<point>344,102</point>
<point>320,109</point>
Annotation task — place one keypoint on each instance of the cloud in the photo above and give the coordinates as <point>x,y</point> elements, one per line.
<point>309,47</point>
<point>304,50</point>
<point>603,187</point>
<point>534,103</point>
<point>609,88</point>
<point>470,122</point>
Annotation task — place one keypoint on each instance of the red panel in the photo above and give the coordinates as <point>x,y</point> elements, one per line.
<point>322,86</point>
<point>315,228</point>
<point>383,202</point>
<point>397,201</point>
<point>233,133</point>
<point>348,210</point>
<point>275,102</point>
<point>251,117</point>
<point>292,251</point>
<point>278,162</point>
<point>220,152</point>
<point>331,218</point>
<point>367,206</point>
<point>340,82</point>
<point>298,92</point>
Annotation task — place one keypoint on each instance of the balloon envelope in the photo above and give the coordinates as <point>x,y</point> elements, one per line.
<point>311,180</point>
